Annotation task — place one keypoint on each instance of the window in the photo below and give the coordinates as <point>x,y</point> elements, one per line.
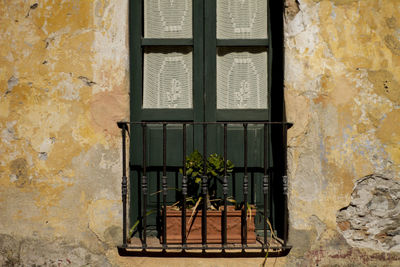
<point>201,77</point>
<point>187,65</point>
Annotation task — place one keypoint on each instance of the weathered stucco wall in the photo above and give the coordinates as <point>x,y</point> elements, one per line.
<point>64,83</point>
<point>342,69</point>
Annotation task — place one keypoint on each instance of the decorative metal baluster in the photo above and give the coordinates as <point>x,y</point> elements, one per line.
<point>253,187</point>
<point>245,187</point>
<point>144,187</point>
<point>204,191</point>
<point>225,190</point>
<point>164,186</point>
<point>285,185</point>
<point>266,183</point>
<point>124,184</point>
<point>184,188</point>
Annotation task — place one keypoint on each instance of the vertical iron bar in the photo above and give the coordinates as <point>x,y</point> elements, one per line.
<point>285,185</point>
<point>204,190</point>
<point>184,188</point>
<point>266,183</point>
<point>225,190</point>
<point>144,188</point>
<point>164,186</point>
<point>124,184</point>
<point>234,185</point>
<point>159,218</point>
<point>252,186</point>
<point>245,187</point>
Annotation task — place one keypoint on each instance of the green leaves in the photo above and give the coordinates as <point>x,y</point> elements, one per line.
<point>215,168</point>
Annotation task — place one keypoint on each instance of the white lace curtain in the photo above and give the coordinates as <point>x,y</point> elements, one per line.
<point>242,81</point>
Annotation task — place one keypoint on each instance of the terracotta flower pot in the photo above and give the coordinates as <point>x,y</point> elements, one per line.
<point>214,226</point>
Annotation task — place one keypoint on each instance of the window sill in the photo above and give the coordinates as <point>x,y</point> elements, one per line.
<point>155,249</point>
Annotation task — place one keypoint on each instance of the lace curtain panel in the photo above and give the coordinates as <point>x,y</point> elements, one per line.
<point>168,19</point>
<point>242,19</point>
<point>242,81</point>
<point>167,78</point>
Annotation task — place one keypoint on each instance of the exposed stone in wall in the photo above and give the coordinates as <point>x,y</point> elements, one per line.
<point>372,220</point>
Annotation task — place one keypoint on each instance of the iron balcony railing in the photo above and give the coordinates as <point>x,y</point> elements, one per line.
<point>144,247</point>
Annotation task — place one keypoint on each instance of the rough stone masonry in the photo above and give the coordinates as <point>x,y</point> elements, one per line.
<point>372,220</point>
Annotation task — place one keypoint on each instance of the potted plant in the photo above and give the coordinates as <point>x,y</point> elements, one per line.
<point>214,173</point>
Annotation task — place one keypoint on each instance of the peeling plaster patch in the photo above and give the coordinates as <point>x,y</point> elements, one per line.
<point>294,69</point>
<point>8,134</point>
<point>393,44</point>
<point>68,89</point>
<point>391,22</point>
<point>13,81</point>
<point>59,252</point>
<point>13,178</point>
<point>110,45</point>
<point>306,41</point>
<point>103,214</point>
<point>303,20</point>
<point>113,235</point>
<point>385,85</point>
<point>91,178</point>
<point>309,181</point>
<point>340,2</point>
<point>42,155</point>
<point>389,134</point>
<point>372,220</point>
<point>19,172</point>
<point>364,145</point>
<point>313,87</point>
<point>109,164</point>
<point>330,121</point>
<point>308,166</point>
<point>9,57</point>
<point>292,7</point>
<point>319,225</point>
<point>47,144</point>
<point>296,25</point>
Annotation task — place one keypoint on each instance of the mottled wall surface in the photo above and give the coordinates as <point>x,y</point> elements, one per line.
<point>64,83</point>
<point>342,74</point>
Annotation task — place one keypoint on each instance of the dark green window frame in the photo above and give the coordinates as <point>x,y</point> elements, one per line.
<point>204,44</point>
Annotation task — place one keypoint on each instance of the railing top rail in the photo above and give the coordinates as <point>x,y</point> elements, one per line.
<point>120,123</point>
